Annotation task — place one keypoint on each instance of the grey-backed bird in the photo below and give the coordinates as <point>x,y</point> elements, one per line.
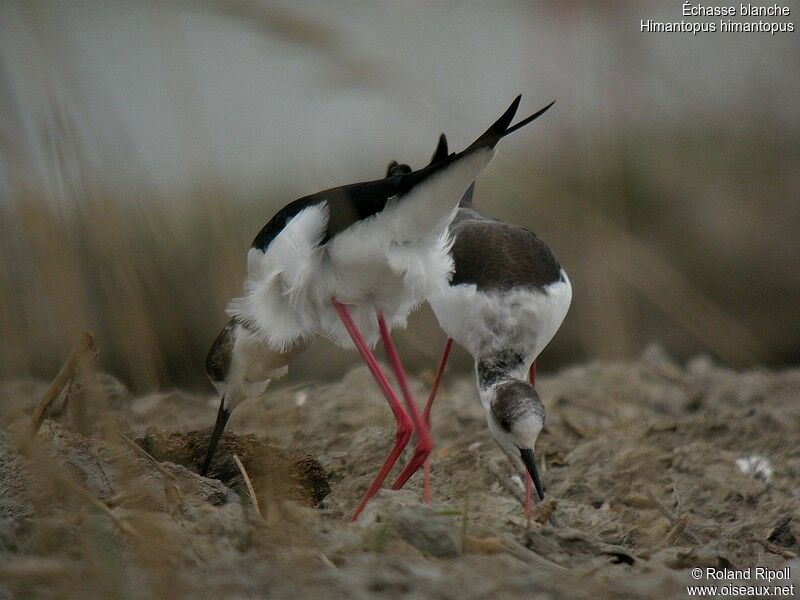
<point>506,299</point>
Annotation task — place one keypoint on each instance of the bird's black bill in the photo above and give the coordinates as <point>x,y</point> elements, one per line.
<point>530,464</point>
<point>219,427</point>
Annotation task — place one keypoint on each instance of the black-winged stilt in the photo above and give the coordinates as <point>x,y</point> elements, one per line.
<point>507,298</point>
<point>348,264</point>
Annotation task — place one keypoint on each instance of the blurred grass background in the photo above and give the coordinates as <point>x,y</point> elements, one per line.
<point>142,146</point>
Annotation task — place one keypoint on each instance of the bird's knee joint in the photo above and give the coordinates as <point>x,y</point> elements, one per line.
<point>404,431</point>
<point>424,447</point>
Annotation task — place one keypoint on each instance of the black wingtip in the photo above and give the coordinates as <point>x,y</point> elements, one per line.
<point>533,117</point>
<point>503,122</point>
<point>498,129</point>
<point>441,150</point>
<point>502,127</point>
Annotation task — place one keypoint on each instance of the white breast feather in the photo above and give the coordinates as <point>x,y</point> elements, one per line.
<point>488,322</point>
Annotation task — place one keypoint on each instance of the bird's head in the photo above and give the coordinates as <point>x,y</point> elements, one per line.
<point>241,364</point>
<point>516,416</point>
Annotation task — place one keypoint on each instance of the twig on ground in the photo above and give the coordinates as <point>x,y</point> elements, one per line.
<point>780,526</point>
<point>75,401</point>
<point>249,485</point>
<point>578,430</point>
<point>775,549</point>
<point>774,535</point>
<point>684,529</point>
<point>84,495</point>
<point>171,490</point>
<point>85,347</point>
<point>527,555</point>
<point>677,530</point>
<point>328,562</point>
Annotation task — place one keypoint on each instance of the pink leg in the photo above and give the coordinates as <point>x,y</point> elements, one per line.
<point>404,424</point>
<point>424,443</point>
<point>426,414</point>
<point>437,380</point>
<point>528,480</point>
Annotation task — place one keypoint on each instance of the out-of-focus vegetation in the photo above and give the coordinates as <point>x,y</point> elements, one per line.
<point>679,232</point>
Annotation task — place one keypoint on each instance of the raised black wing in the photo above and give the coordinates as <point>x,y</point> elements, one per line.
<point>347,205</point>
<point>351,203</point>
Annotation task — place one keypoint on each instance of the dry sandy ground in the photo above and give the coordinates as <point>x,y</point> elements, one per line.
<point>640,456</point>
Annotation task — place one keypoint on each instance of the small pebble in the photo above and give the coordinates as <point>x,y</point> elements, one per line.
<point>755,465</point>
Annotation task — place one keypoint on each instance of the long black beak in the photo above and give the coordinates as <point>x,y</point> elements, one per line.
<point>530,464</point>
<point>219,427</point>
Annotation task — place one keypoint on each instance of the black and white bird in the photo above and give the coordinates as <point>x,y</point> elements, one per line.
<point>348,264</point>
<point>507,298</point>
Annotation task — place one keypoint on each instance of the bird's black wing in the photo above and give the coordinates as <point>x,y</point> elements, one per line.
<point>352,203</point>
<point>349,204</point>
<point>498,256</point>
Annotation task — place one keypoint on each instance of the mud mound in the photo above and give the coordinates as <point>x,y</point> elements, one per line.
<point>656,469</point>
<point>272,470</point>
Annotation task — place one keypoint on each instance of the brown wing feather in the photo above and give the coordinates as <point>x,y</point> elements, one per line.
<point>498,256</point>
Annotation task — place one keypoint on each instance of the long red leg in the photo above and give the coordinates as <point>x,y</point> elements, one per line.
<point>424,443</point>
<point>528,480</point>
<point>426,414</point>
<point>437,380</point>
<point>404,425</point>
